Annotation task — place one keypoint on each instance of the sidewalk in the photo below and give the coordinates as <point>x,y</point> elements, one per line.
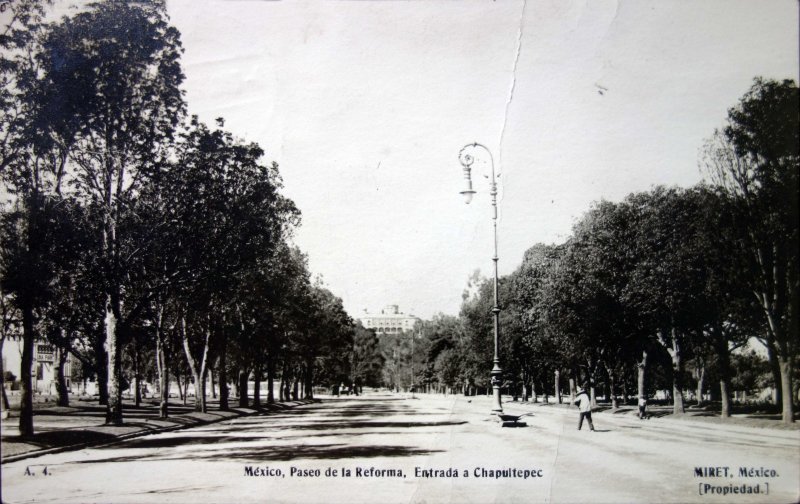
<point>742,423</point>
<point>82,424</point>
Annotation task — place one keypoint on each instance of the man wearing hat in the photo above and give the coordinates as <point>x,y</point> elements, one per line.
<point>584,403</point>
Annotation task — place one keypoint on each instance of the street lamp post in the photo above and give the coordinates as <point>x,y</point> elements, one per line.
<point>466,160</point>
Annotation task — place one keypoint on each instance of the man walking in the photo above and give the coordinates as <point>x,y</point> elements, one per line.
<point>584,403</point>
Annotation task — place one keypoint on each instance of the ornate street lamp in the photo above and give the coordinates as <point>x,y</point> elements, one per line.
<point>466,159</point>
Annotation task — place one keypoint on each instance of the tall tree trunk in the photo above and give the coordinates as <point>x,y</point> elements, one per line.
<point>612,390</point>
<point>308,391</point>
<point>624,388</point>
<point>280,389</point>
<point>786,386</point>
<point>213,382</point>
<point>114,409</point>
<point>775,369</point>
<point>284,386</point>
<point>198,367</point>
<point>181,389</point>
<point>257,385</point>
<point>591,372</point>
<point>675,353</point>
<point>162,364</point>
<point>222,370</point>
<point>26,368</point>
<point>641,368</point>
<point>701,374</point>
<point>724,365</point>
<point>781,358</point>
<point>270,378</point>
<point>572,390</point>
<point>61,383</point>
<point>185,395</point>
<point>244,374</point>
<point>137,394</point>
<point>202,394</point>
<point>725,385</point>
<point>101,367</point>
<point>558,385</point>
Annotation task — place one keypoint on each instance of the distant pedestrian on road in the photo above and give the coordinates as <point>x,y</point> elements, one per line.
<point>642,407</point>
<point>584,403</point>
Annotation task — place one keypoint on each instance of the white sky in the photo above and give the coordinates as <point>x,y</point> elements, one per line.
<point>366,104</point>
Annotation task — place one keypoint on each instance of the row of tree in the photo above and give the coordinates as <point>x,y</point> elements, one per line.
<point>670,275</point>
<point>140,242</point>
<point>135,238</point>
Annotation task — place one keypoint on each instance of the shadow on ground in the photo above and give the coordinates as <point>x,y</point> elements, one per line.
<point>59,438</point>
<point>249,439</point>
<point>624,410</point>
<point>283,453</point>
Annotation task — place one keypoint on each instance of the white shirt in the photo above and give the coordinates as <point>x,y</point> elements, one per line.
<point>585,402</point>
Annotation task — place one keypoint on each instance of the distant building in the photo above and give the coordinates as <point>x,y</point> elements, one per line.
<point>44,369</point>
<point>390,320</point>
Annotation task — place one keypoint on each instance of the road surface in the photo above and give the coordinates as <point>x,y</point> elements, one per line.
<point>386,449</point>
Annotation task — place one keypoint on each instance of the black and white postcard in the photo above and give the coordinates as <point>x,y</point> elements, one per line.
<point>296,251</point>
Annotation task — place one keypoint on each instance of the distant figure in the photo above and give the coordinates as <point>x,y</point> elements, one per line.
<point>642,407</point>
<point>584,403</point>
<point>354,389</point>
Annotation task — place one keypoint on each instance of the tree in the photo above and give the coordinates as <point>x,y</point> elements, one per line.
<point>751,371</point>
<point>27,268</point>
<point>18,42</point>
<point>755,159</point>
<point>366,358</point>
<point>31,175</point>
<point>219,189</point>
<point>670,275</point>
<point>525,307</point>
<point>726,309</point>
<point>324,342</point>
<point>157,273</point>
<point>66,312</point>
<point>394,349</point>
<point>476,317</point>
<point>411,356</point>
<point>113,78</point>
<point>447,368</point>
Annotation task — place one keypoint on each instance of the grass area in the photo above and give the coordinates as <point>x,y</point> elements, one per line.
<point>745,415</point>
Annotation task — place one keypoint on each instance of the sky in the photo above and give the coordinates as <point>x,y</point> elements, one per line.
<point>365,106</point>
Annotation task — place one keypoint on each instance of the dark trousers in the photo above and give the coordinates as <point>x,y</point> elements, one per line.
<point>642,411</point>
<point>588,416</point>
